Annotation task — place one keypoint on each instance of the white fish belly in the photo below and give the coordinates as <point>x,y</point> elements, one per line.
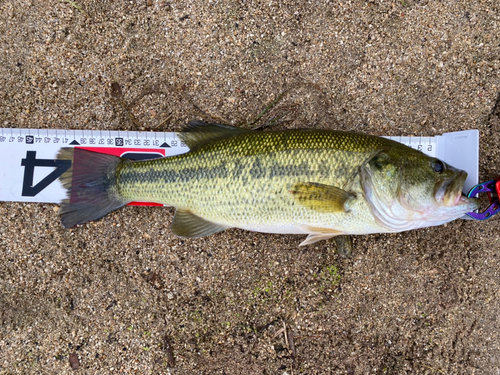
<point>276,228</point>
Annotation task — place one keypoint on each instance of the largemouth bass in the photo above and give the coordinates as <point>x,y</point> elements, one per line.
<point>317,182</point>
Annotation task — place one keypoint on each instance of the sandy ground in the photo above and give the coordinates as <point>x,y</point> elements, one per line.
<point>124,295</point>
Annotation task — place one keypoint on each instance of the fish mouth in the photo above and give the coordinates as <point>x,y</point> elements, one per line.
<point>449,193</point>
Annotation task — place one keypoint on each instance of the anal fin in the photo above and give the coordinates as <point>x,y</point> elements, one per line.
<point>186,224</point>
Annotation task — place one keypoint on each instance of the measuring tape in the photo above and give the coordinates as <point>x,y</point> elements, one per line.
<point>29,170</point>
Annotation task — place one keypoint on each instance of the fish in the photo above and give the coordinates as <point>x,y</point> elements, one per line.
<point>319,183</point>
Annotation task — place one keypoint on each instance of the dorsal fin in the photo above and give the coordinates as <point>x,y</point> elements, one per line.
<point>197,133</point>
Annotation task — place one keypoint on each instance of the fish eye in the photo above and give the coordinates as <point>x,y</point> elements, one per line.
<point>438,166</point>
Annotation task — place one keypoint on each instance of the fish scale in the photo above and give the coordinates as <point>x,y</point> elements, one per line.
<point>244,180</point>
<point>317,182</point>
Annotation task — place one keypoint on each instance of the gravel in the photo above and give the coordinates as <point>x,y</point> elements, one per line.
<point>124,295</point>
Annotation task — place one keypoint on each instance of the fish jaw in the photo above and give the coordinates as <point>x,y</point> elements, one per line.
<point>397,215</point>
<point>449,192</point>
<point>453,208</point>
<point>451,202</point>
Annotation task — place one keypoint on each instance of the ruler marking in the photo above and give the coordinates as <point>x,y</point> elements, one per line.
<point>47,145</point>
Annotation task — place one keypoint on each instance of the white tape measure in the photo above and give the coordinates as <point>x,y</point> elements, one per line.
<point>459,149</point>
<point>29,170</point>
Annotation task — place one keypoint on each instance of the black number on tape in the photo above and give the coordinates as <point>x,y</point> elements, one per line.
<point>29,165</point>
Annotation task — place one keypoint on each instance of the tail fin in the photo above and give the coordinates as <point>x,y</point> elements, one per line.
<point>91,185</point>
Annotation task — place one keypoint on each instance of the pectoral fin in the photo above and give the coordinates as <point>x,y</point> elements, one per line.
<point>187,224</point>
<point>323,198</point>
<point>318,234</point>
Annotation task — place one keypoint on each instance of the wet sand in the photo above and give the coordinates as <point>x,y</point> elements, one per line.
<point>124,295</point>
